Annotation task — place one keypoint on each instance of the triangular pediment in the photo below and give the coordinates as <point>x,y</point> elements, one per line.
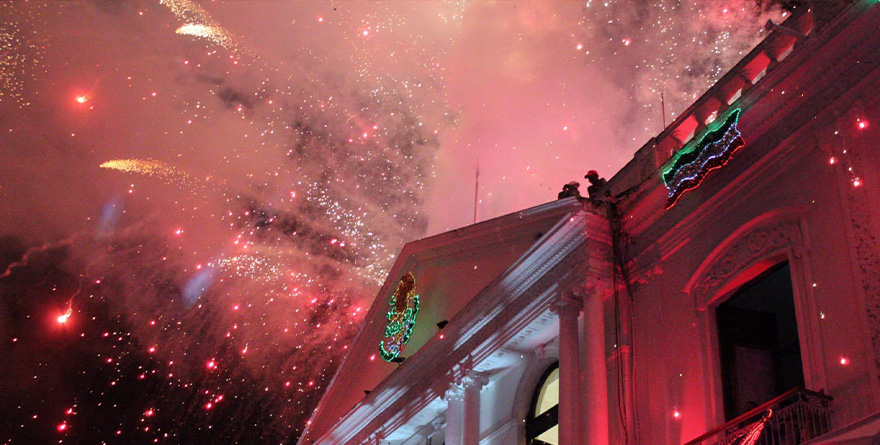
<point>450,270</point>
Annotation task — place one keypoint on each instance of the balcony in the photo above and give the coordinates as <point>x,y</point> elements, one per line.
<point>792,418</point>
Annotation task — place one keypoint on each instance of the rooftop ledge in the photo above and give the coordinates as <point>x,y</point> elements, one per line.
<point>723,96</point>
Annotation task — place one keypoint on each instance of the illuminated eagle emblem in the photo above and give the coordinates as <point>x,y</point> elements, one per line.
<point>401,318</point>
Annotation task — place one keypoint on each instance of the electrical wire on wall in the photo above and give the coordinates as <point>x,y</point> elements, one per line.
<point>619,252</point>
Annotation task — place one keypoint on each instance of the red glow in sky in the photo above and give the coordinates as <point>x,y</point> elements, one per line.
<point>255,142</point>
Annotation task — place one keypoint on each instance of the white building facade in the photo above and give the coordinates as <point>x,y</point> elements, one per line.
<point>731,271</point>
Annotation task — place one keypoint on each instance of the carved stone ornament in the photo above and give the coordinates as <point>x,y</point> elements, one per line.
<point>454,392</point>
<point>742,252</point>
<point>861,235</point>
<point>475,379</point>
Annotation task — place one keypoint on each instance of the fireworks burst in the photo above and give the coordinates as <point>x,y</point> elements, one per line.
<point>198,23</point>
<point>187,11</point>
<point>249,266</point>
<point>19,55</point>
<point>148,167</point>
<point>215,34</point>
<point>207,316</point>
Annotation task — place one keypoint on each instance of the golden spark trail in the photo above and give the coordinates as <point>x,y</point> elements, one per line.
<point>149,167</point>
<point>215,34</point>
<point>198,23</point>
<point>187,11</point>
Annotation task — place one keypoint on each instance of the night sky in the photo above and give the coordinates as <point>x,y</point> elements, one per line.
<point>200,199</point>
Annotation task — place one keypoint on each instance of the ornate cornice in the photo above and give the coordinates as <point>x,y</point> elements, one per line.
<point>759,239</point>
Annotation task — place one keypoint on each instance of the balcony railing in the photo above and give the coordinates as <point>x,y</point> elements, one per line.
<point>795,417</point>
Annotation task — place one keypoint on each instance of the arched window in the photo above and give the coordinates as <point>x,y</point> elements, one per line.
<point>542,425</point>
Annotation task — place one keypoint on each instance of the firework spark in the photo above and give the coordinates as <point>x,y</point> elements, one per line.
<point>149,167</point>
<point>19,56</point>
<point>62,319</point>
<point>186,10</point>
<point>215,34</point>
<point>249,266</point>
<point>198,23</point>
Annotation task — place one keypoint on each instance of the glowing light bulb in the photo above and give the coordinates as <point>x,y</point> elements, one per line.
<point>832,160</point>
<point>676,414</point>
<point>844,361</point>
<point>82,99</point>
<point>856,182</point>
<point>862,124</point>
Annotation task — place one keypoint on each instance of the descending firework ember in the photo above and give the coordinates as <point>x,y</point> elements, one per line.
<point>66,315</point>
<point>187,10</point>
<point>215,34</point>
<point>18,55</point>
<point>249,266</point>
<point>199,23</point>
<point>149,167</point>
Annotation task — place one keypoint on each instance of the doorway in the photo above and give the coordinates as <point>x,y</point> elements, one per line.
<point>758,342</point>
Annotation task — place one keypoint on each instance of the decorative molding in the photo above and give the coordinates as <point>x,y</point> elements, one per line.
<point>864,244</point>
<point>454,393</point>
<point>566,300</point>
<point>475,379</point>
<point>549,349</point>
<point>594,286</point>
<point>741,249</point>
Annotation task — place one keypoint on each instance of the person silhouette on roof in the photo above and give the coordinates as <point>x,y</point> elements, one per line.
<point>596,183</point>
<point>569,190</point>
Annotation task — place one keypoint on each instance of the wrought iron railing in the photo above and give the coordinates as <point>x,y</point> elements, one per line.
<point>794,417</point>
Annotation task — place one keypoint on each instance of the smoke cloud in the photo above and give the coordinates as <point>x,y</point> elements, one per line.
<point>214,190</point>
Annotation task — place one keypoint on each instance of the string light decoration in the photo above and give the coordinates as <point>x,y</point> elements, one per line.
<point>401,318</point>
<point>714,150</point>
<point>750,434</point>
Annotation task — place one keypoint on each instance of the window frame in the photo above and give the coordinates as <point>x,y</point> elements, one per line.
<point>537,425</point>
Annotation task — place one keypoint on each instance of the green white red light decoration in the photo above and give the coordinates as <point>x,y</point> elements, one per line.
<point>401,318</point>
<point>714,149</point>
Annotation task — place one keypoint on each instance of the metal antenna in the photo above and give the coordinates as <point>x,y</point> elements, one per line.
<point>663,109</point>
<point>477,192</point>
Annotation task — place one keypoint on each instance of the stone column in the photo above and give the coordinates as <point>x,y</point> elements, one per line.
<point>455,415</point>
<point>473,383</point>
<point>570,418</point>
<point>595,370</point>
